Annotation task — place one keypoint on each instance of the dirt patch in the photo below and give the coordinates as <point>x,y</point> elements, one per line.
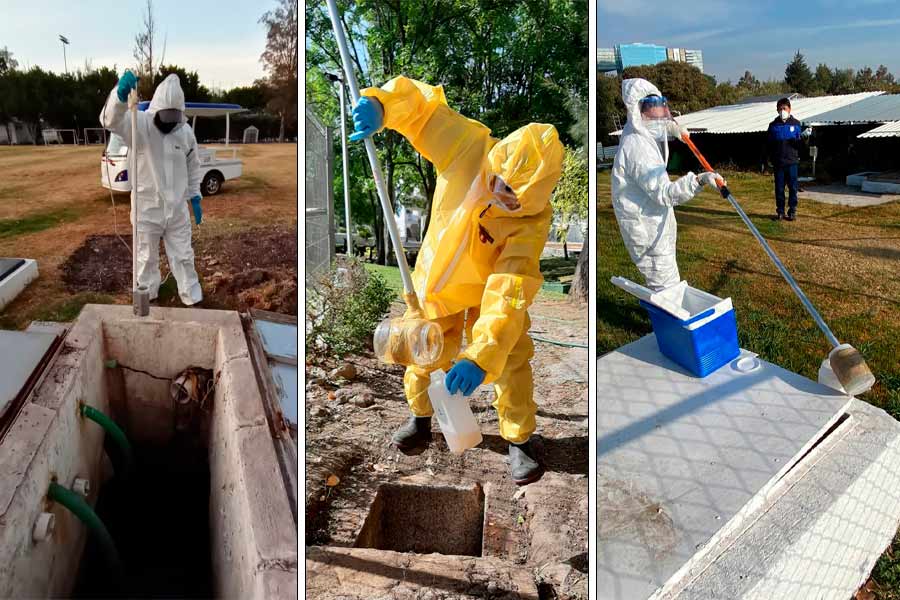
<point>101,264</point>
<point>255,268</point>
<point>543,529</point>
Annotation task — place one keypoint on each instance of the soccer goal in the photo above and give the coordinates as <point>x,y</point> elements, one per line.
<point>59,136</point>
<point>94,135</point>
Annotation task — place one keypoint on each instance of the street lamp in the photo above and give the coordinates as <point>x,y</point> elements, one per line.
<point>65,42</point>
<point>339,80</point>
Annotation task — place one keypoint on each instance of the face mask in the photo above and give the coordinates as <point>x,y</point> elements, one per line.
<point>658,129</point>
<point>784,115</point>
<point>162,126</point>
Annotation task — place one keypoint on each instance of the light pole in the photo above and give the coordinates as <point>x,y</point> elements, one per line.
<point>339,80</point>
<point>65,42</point>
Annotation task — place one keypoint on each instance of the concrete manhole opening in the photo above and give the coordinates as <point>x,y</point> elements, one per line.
<point>159,519</point>
<point>197,508</point>
<point>425,518</point>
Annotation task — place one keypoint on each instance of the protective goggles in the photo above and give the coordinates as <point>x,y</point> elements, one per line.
<point>169,115</point>
<point>655,107</point>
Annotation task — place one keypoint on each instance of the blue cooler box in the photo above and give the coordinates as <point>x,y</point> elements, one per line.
<point>703,342</point>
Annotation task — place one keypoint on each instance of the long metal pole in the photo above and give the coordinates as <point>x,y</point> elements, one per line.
<point>346,168</point>
<point>350,78</point>
<point>723,190</point>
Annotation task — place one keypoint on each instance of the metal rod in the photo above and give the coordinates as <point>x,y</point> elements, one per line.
<point>762,241</point>
<point>346,168</point>
<point>132,106</point>
<point>390,221</point>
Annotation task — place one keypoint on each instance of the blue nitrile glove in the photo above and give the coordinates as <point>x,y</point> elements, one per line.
<point>465,377</point>
<point>198,212</point>
<point>127,82</point>
<point>368,117</point>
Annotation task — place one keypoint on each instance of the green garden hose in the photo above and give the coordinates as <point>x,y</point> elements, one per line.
<point>114,431</point>
<point>76,504</point>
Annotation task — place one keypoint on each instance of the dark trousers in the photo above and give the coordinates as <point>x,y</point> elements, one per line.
<point>786,174</point>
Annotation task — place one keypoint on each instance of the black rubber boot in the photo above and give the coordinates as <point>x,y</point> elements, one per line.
<point>791,216</point>
<point>524,467</point>
<point>778,216</point>
<point>414,435</point>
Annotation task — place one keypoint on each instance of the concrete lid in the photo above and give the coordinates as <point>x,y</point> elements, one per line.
<point>681,458</point>
<point>21,352</point>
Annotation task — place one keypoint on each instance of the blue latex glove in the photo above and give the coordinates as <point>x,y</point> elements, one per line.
<point>368,117</point>
<point>198,212</point>
<point>465,377</point>
<point>127,82</point>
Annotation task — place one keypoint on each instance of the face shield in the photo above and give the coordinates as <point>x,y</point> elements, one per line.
<point>656,116</point>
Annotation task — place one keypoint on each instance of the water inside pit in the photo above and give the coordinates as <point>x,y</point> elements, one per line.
<point>159,520</point>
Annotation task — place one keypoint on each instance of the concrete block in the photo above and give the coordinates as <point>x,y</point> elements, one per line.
<point>239,392</point>
<point>19,448</point>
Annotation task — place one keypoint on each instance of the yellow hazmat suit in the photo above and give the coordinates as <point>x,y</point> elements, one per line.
<point>479,266</point>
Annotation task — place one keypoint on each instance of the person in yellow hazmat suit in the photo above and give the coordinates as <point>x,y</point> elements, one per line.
<point>479,266</point>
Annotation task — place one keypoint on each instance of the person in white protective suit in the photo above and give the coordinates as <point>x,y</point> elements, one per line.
<point>643,196</point>
<point>168,170</point>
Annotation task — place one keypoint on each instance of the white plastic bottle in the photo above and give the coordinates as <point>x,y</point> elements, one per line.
<point>454,415</point>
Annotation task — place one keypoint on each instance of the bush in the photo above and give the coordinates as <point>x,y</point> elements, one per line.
<point>343,308</point>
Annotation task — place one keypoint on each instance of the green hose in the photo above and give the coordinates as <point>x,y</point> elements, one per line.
<point>114,431</point>
<point>76,504</point>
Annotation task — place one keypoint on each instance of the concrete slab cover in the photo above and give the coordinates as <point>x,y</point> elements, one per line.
<point>845,195</point>
<point>681,458</point>
<point>279,339</point>
<point>21,352</point>
<point>8,265</point>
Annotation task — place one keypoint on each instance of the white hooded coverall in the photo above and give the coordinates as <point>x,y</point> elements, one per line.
<point>168,177</point>
<point>643,196</point>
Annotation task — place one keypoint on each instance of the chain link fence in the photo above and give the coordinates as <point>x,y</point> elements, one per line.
<point>319,197</point>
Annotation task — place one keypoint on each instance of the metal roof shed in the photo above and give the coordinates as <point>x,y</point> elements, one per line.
<point>876,109</point>
<point>891,129</point>
<point>755,117</point>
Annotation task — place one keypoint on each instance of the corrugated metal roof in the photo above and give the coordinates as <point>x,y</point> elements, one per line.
<point>755,118</point>
<point>771,98</point>
<point>877,109</point>
<point>891,129</point>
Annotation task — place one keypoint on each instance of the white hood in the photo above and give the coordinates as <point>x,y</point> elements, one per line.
<point>168,95</point>
<point>633,91</point>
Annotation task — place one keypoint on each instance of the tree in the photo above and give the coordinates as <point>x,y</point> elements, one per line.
<point>797,75</point>
<point>823,78</point>
<point>842,81</point>
<point>7,62</point>
<point>252,97</point>
<point>281,60</point>
<point>193,90</point>
<point>145,53</point>
<point>570,200</point>
<point>748,83</point>
<point>884,77</point>
<point>610,110</point>
<point>865,80</point>
<point>500,62</point>
<point>684,85</point>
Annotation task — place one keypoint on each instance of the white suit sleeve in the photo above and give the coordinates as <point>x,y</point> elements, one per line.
<point>193,168</point>
<point>114,116</point>
<point>654,180</point>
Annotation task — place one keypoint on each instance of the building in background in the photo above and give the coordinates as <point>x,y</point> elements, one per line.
<point>623,56</point>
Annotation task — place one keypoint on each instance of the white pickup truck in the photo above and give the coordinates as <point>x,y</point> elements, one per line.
<point>218,164</point>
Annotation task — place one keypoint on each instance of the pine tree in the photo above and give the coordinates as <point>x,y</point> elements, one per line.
<point>798,77</point>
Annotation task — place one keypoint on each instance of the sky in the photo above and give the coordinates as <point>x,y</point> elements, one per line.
<point>221,40</point>
<point>760,35</point>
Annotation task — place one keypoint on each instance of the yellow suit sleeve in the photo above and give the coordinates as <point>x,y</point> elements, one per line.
<point>509,292</point>
<point>419,112</point>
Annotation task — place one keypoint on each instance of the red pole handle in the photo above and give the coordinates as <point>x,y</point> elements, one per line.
<point>703,162</point>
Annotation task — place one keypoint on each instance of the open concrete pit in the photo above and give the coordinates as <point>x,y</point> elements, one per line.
<point>381,524</point>
<point>201,512</point>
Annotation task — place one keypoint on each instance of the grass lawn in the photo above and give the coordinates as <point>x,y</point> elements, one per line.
<point>846,260</point>
<point>49,221</point>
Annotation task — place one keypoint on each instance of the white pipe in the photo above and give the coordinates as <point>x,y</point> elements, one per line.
<point>386,207</point>
<point>132,106</point>
<point>346,169</point>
